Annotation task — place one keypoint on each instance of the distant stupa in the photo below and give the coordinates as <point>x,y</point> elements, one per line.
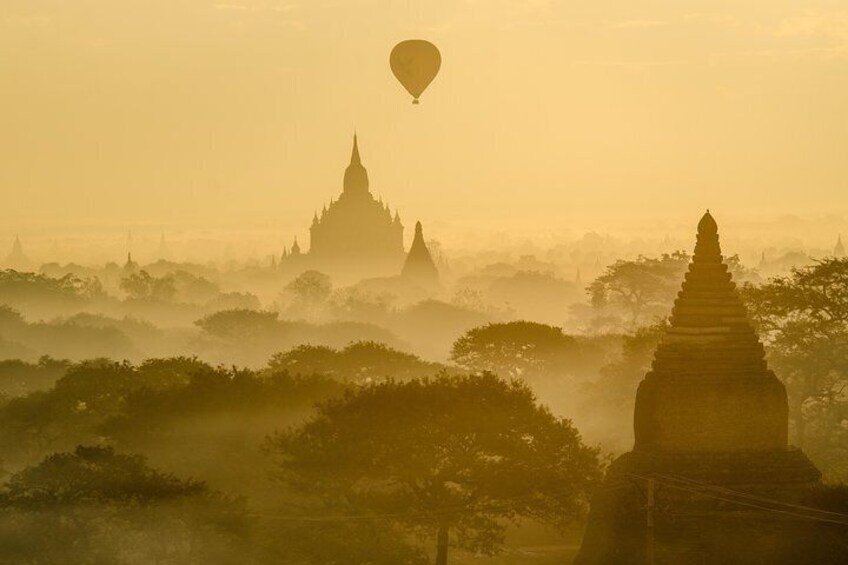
<point>356,234</point>
<point>17,259</point>
<point>711,427</point>
<point>419,265</point>
<point>839,249</point>
<point>130,266</point>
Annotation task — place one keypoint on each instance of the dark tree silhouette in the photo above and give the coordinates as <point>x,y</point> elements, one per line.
<point>514,349</point>
<point>450,459</point>
<point>640,289</point>
<point>143,286</point>
<point>360,361</point>
<point>97,506</point>
<point>239,323</point>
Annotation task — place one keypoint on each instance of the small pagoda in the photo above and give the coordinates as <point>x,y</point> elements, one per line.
<point>419,266</point>
<point>711,472</point>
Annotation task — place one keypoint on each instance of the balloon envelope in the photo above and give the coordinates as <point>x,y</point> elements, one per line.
<point>415,63</point>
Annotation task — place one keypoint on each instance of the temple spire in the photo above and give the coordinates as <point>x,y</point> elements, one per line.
<point>710,369</point>
<point>354,154</point>
<point>419,265</point>
<point>707,248</point>
<point>130,266</point>
<point>356,176</point>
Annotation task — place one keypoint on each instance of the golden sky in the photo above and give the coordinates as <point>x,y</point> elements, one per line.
<point>545,114</point>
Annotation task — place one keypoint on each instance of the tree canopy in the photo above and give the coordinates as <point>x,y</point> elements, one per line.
<point>803,319</point>
<point>97,506</point>
<point>448,458</point>
<point>360,361</point>
<point>514,349</point>
<point>639,290</point>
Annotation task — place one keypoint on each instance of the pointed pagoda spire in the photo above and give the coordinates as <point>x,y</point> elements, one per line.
<point>130,265</point>
<point>709,304</point>
<point>356,176</point>
<point>839,249</point>
<point>419,265</point>
<point>295,248</point>
<point>710,387</point>
<point>354,154</point>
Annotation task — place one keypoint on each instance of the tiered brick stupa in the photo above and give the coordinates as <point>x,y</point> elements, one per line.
<point>711,424</point>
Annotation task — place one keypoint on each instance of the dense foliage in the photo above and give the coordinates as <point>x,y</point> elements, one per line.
<point>803,319</point>
<point>448,458</point>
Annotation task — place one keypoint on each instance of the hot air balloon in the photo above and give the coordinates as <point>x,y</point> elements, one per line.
<point>415,63</point>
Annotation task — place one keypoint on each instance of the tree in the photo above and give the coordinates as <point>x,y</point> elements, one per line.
<point>234,301</point>
<point>607,402</point>
<point>18,378</point>
<point>190,288</point>
<point>310,291</point>
<point>43,295</point>
<point>143,286</point>
<point>634,293</point>
<point>360,361</point>
<point>97,506</point>
<point>448,458</point>
<point>803,320</point>
<point>513,349</point>
<point>89,394</point>
<point>240,324</point>
<point>355,303</point>
<point>641,289</point>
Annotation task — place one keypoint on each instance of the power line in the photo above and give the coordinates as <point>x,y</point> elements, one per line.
<point>701,491</point>
<point>753,496</point>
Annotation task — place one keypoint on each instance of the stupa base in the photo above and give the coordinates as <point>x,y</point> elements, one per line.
<point>707,508</point>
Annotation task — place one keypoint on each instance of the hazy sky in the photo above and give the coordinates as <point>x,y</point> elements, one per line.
<point>546,114</point>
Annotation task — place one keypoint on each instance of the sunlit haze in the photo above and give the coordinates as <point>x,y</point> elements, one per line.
<point>547,119</point>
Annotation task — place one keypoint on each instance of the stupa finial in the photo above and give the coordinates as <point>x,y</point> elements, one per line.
<point>707,225</point>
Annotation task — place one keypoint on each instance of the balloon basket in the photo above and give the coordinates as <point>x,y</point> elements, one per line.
<point>415,101</point>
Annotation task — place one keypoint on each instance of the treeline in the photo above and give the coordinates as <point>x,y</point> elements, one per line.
<point>414,444</point>
<point>177,461</point>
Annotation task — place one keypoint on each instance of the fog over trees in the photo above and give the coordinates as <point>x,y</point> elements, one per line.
<point>460,282</point>
<point>159,418</point>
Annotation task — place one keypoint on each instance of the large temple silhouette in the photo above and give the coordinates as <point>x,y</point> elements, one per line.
<point>357,235</point>
<point>711,474</point>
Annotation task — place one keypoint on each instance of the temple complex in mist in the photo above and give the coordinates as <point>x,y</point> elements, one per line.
<point>710,419</point>
<point>356,234</point>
